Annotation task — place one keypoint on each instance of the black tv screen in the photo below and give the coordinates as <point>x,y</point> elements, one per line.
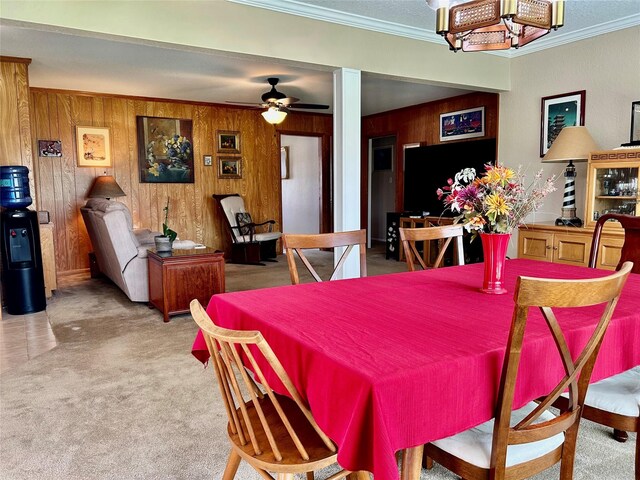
<point>427,168</point>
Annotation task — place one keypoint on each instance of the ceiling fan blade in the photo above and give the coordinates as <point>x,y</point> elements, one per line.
<point>288,100</point>
<point>309,106</point>
<point>257,105</point>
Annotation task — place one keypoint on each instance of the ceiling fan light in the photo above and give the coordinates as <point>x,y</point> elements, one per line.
<point>274,115</point>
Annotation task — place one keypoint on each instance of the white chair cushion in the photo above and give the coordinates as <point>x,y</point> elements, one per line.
<point>618,394</point>
<point>474,445</point>
<point>260,237</point>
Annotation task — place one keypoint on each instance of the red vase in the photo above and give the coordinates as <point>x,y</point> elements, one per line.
<point>494,249</point>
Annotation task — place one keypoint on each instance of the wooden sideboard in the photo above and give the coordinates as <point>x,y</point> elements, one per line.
<point>570,245</point>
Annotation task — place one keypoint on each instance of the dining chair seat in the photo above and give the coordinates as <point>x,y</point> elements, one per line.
<point>619,394</point>
<point>474,445</point>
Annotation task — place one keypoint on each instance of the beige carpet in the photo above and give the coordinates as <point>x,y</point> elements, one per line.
<point>121,397</point>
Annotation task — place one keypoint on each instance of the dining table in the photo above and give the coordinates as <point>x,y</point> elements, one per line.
<point>391,362</point>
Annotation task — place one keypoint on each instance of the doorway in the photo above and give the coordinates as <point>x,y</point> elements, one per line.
<point>301,161</point>
<point>382,185</point>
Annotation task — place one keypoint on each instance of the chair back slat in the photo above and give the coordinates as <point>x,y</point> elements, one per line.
<point>409,237</point>
<point>547,294</point>
<point>230,349</point>
<point>630,248</point>
<point>299,242</point>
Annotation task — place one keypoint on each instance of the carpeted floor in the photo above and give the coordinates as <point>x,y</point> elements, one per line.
<point>121,397</point>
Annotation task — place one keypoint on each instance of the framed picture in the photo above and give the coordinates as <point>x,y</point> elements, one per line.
<point>208,161</point>
<point>635,123</point>
<point>49,148</point>
<point>462,124</point>
<point>94,146</point>
<point>229,167</point>
<point>557,112</point>
<point>165,150</point>
<point>284,162</point>
<point>228,142</point>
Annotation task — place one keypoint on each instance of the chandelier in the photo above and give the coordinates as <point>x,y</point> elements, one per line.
<point>275,115</point>
<point>481,25</point>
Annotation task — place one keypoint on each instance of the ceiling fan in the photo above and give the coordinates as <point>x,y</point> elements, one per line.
<point>278,105</point>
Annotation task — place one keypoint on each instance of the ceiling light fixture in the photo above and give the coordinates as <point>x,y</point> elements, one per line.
<point>482,25</point>
<point>274,115</point>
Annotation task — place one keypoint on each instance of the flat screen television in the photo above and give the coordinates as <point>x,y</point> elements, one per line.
<point>427,168</point>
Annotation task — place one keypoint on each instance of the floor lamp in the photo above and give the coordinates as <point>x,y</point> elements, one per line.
<point>573,145</point>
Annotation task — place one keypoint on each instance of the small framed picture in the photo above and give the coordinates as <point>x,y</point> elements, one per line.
<point>228,142</point>
<point>462,124</point>
<point>229,167</point>
<point>94,146</point>
<point>49,148</point>
<point>557,112</point>
<point>284,163</point>
<point>635,123</point>
<point>207,160</point>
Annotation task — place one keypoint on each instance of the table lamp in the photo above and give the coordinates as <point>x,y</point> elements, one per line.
<point>105,186</point>
<point>573,145</point>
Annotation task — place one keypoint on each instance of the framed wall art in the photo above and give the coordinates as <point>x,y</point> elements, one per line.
<point>228,142</point>
<point>557,112</point>
<point>635,123</point>
<point>165,150</point>
<point>94,146</point>
<point>229,167</point>
<point>462,124</point>
<point>49,148</point>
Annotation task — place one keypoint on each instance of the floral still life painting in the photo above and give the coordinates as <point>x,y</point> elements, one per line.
<point>165,150</point>
<point>496,202</point>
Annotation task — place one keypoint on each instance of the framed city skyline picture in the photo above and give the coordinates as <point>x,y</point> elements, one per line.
<point>557,112</point>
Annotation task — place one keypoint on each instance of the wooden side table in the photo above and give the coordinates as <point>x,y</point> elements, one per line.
<point>180,276</point>
<point>47,246</point>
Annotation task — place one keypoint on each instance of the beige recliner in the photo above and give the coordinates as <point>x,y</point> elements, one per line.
<point>121,251</point>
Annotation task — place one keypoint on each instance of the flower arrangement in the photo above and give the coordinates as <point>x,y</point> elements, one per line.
<point>178,147</point>
<point>166,231</point>
<point>497,201</point>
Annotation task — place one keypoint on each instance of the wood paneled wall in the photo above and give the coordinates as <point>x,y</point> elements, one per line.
<point>62,186</point>
<point>15,140</point>
<point>419,124</point>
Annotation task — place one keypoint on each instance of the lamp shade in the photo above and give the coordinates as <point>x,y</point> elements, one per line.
<point>573,143</point>
<point>274,115</point>
<point>105,186</point>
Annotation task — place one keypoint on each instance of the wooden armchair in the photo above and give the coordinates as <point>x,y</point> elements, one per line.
<point>299,242</point>
<point>251,242</point>
<point>271,432</point>
<point>519,444</point>
<point>409,237</point>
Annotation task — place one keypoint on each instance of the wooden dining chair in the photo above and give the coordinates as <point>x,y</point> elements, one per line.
<point>299,242</point>
<point>409,237</point>
<point>271,432</point>
<point>615,401</point>
<point>519,444</point>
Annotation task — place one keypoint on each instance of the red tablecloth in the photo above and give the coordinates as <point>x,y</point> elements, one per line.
<point>395,361</point>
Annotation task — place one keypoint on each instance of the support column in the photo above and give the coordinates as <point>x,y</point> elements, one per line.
<point>346,161</point>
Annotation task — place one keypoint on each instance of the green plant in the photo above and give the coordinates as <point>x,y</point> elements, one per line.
<point>166,231</point>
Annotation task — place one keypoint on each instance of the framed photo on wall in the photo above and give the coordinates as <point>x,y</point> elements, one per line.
<point>228,142</point>
<point>49,148</point>
<point>229,167</point>
<point>165,150</point>
<point>94,146</point>
<point>462,124</point>
<point>557,112</point>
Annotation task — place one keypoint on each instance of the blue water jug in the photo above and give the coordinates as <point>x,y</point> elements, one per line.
<point>14,187</point>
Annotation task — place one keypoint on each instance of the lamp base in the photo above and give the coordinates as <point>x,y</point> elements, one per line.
<point>569,222</point>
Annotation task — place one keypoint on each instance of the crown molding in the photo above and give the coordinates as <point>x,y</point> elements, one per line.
<point>314,12</point>
<point>556,39</point>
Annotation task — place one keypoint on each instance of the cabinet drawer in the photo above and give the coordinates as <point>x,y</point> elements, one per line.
<point>572,249</point>
<point>609,253</point>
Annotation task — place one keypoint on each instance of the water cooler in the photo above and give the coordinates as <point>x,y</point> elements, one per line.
<point>22,272</point>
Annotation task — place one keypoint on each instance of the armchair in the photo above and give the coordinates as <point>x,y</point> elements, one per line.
<point>251,242</point>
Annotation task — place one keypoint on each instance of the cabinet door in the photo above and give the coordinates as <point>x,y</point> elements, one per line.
<point>609,252</point>
<point>535,245</point>
<point>571,249</point>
